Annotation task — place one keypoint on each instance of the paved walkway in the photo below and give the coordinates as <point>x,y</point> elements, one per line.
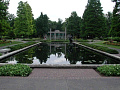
<point>61,79</point>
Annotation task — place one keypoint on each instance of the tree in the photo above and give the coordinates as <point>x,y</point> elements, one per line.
<point>115,27</point>
<point>42,25</point>
<point>4,26</point>
<point>24,25</point>
<point>93,20</point>
<point>73,25</point>
<point>108,18</point>
<point>59,24</point>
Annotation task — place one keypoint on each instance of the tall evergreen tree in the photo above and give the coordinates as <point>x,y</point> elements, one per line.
<point>93,20</point>
<point>59,24</point>
<point>115,27</point>
<point>42,25</point>
<point>24,21</point>
<point>108,18</point>
<point>73,25</point>
<point>4,25</point>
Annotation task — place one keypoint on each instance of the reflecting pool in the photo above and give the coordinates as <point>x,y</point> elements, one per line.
<point>59,53</point>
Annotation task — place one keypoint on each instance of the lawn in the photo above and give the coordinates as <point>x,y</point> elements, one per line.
<point>100,43</point>
<point>6,44</point>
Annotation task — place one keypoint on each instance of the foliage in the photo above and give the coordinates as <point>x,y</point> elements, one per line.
<point>4,41</point>
<point>108,20</point>
<point>0,54</point>
<point>4,26</point>
<point>113,43</point>
<point>105,49</point>
<point>15,70</point>
<point>109,70</point>
<point>73,24</point>
<point>82,40</point>
<point>115,21</point>
<point>93,20</point>
<point>20,46</point>
<point>113,38</point>
<point>42,25</point>
<point>24,25</point>
<point>59,40</point>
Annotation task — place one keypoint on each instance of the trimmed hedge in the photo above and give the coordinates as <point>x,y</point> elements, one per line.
<point>82,40</point>
<point>109,70</point>
<point>15,70</point>
<point>19,46</point>
<point>105,49</point>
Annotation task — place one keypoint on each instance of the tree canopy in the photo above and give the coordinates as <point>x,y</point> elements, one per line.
<point>24,25</point>
<point>93,20</point>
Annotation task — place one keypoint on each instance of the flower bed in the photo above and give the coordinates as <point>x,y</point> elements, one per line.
<point>112,43</point>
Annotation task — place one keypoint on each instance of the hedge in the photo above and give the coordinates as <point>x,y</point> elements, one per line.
<point>105,49</point>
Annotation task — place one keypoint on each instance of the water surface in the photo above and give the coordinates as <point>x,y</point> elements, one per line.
<point>59,53</point>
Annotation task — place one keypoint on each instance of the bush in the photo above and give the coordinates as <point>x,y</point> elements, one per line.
<point>113,38</point>
<point>105,49</point>
<point>0,54</point>
<point>109,70</point>
<point>15,70</point>
<point>82,40</point>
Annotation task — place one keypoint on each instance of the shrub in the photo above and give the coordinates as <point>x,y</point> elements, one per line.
<point>82,40</point>
<point>109,70</point>
<point>15,70</point>
<point>105,49</point>
<point>0,54</point>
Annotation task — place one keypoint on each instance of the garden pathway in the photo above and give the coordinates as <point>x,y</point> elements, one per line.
<point>61,79</point>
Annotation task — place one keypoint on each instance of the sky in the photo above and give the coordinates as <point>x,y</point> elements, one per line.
<point>58,8</point>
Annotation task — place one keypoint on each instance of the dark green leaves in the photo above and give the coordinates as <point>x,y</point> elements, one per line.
<point>15,70</point>
<point>109,70</point>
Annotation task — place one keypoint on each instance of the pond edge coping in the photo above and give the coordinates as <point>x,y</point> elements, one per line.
<point>17,51</point>
<point>104,53</point>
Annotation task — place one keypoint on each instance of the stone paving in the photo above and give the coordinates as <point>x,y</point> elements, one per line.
<point>61,79</point>
<point>64,73</point>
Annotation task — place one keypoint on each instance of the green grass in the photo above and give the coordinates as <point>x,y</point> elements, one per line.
<point>100,43</point>
<point>20,46</point>
<point>6,44</point>
<point>15,70</point>
<point>109,70</point>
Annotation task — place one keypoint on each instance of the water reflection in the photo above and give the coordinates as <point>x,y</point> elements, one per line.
<point>59,53</point>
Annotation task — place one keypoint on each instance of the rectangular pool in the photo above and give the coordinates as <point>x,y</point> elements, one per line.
<point>59,53</point>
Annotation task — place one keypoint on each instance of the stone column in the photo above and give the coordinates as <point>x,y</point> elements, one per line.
<point>65,33</point>
<point>50,34</point>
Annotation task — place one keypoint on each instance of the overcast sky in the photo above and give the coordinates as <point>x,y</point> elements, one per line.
<point>58,8</point>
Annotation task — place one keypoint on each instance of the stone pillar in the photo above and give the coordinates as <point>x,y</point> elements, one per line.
<point>55,36</point>
<point>50,34</point>
<point>65,32</point>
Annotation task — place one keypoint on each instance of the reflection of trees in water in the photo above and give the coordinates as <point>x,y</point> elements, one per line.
<point>25,57</point>
<point>58,50</point>
<point>72,54</point>
<point>76,53</point>
<point>42,52</point>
